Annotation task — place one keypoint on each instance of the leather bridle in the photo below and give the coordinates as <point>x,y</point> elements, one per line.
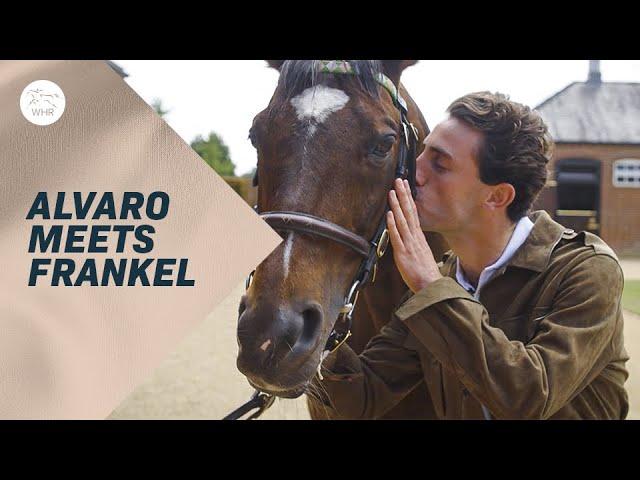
<point>371,250</point>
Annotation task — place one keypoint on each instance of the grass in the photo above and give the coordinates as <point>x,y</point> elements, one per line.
<point>631,296</point>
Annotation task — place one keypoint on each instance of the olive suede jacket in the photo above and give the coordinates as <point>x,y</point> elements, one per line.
<point>544,341</point>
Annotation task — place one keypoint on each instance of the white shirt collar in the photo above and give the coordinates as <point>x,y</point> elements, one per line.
<point>518,237</point>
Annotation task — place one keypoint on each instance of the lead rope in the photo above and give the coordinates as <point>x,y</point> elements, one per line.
<point>258,400</point>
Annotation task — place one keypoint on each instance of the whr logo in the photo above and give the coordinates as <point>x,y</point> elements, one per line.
<point>40,112</point>
<point>42,102</point>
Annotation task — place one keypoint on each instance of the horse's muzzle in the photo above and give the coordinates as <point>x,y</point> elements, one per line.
<point>279,345</point>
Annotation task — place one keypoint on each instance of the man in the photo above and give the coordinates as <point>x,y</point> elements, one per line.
<point>522,319</point>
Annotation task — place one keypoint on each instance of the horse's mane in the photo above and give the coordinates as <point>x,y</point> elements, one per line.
<point>298,75</point>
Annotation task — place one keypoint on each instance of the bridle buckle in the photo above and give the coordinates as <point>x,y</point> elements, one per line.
<point>350,301</point>
<point>383,243</point>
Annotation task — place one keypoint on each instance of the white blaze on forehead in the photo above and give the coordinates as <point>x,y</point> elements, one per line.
<point>317,103</point>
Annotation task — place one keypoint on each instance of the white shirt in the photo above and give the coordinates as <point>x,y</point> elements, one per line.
<point>518,237</point>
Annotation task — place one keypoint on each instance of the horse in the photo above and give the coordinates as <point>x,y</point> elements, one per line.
<point>38,96</point>
<point>329,144</point>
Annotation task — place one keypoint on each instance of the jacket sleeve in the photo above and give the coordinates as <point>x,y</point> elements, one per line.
<point>368,385</point>
<point>513,379</point>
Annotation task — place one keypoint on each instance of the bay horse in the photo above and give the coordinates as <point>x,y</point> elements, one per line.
<point>329,145</point>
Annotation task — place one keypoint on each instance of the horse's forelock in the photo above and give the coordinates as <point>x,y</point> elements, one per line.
<point>298,75</point>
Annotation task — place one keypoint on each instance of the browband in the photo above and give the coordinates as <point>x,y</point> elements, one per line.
<point>342,66</point>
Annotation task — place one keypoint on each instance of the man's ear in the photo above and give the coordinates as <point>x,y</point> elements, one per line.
<point>277,64</point>
<point>394,68</point>
<point>501,196</point>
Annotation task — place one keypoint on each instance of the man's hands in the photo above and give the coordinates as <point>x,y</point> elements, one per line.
<point>411,251</point>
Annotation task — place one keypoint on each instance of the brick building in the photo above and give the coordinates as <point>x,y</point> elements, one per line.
<point>594,175</point>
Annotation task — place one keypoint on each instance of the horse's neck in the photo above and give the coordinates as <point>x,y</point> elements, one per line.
<point>378,300</point>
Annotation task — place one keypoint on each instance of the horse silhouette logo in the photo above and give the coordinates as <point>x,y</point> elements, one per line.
<point>42,102</point>
<point>40,98</point>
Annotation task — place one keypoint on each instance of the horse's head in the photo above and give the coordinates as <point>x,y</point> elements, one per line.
<point>328,146</point>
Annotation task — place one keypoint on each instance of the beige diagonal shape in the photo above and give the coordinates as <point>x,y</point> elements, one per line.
<point>76,352</point>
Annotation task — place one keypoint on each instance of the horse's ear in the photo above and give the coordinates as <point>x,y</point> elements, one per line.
<point>394,68</point>
<point>275,64</point>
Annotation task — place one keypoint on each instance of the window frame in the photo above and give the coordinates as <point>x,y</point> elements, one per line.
<point>626,172</point>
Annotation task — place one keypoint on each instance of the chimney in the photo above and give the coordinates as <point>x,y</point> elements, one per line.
<point>594,72</point>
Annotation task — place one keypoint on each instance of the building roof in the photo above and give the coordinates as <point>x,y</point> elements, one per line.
<point>594,112</point>
<point>117,68</point>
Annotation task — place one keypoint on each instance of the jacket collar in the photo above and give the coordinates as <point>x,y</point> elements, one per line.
<point>535,252</point>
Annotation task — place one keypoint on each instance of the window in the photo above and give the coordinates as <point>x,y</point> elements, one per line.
<point>626,173</point>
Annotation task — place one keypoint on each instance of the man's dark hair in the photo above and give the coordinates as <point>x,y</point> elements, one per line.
<point>516,149</point>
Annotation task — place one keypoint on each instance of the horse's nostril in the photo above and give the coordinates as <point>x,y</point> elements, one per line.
<point>312,323</point>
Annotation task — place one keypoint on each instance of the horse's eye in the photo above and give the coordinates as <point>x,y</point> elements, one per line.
<point>383,146</point>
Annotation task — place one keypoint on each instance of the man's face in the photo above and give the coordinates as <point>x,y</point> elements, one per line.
<point>450,194</point>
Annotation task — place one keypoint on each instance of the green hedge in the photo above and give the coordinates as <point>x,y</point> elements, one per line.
<point>242,186</point>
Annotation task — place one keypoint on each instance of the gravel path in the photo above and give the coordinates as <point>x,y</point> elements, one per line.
<point>199,380</point>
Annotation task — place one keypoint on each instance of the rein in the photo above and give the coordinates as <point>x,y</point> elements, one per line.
<point>372,250</point>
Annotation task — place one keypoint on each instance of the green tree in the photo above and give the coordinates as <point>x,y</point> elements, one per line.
<point>157,106</point>
<point>215,153</point>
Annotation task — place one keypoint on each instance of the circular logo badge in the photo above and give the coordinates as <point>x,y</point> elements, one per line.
<point>42,102</point>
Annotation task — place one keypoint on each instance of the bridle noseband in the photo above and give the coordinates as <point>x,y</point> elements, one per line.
<point>371,250</point>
